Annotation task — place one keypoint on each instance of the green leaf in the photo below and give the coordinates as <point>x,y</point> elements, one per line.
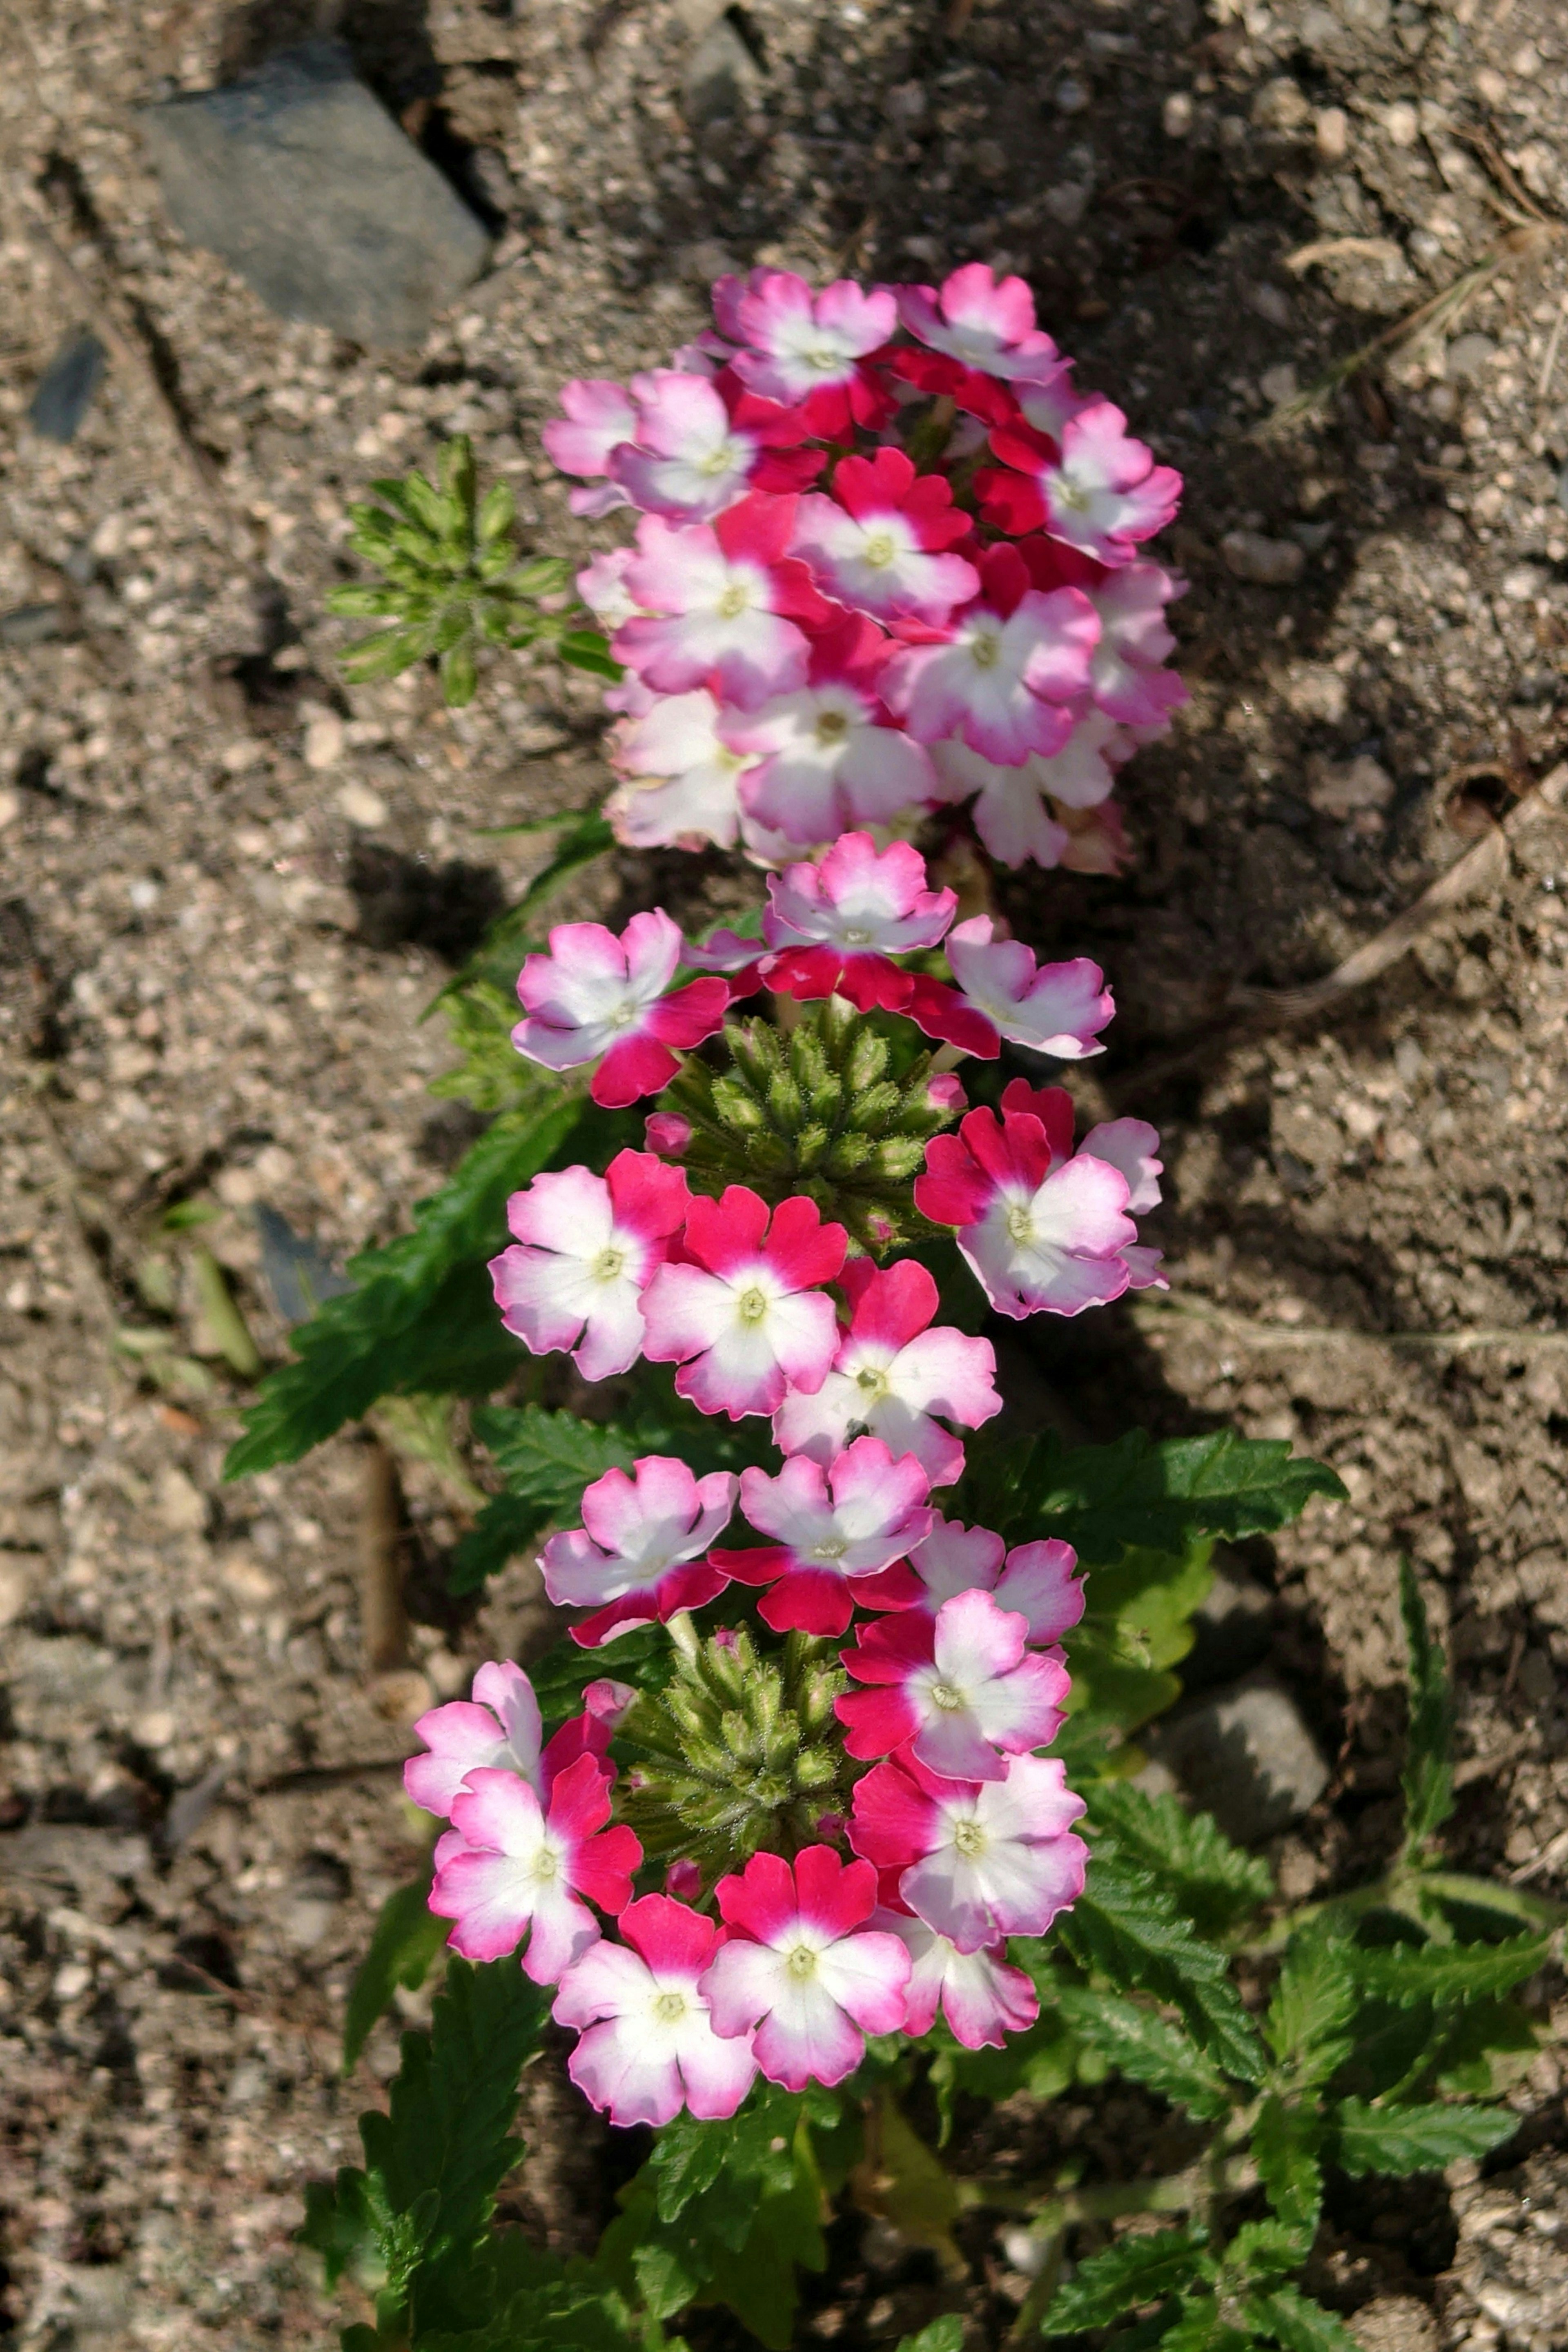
<point>1314,2002</point>
<point>586,649</point>
<point>1260,2251</point>
<point>1427,1779</point>
<point>1217,1883</point>
<point>1416,2138</point>
<point>1285,2142</point>
<point>943,2335</point>
<point>1199,2328</point>
<point>1139,2044</point>
<point>1406,1974</point>
<point>1112,2283</point>
<point>419,1305</point>
<point>1137,1626</point>
<point>546,1459</point>
<point>1127,1929</point>
<point>405,1940</point>
<point>1486,2047</point>
<point>1295,2321</point>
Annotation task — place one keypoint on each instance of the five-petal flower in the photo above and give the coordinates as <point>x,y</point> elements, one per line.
<point>646,2046</point>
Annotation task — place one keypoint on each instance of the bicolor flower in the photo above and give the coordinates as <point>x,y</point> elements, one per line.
<point>743,1316</point>
<point>1128,677</point>
<point>638,1556</point>
<point>599,417</point>
<point>981,323</point>
<point>830,1528</point>
<point>647,2047</point>
<point>720,602</point>
<point>1043,1232</point>
<point>1034,1581</point>
<point>597,998</point>
<point>602,585</point>
<point>1055,1008</point>
<point>1023,812</point>
<point>1008,673</point>
<point>975,1859</point>
<point>877,544</point>
<point>1096,488</point>
<point>827,756</point>
<point>961,1688</point>
<point>1129,1144</point>
<point>688,461</point>
<point>832,927</point>
<point>983,1997</point>
<point>681,775</point>
<point>893,1375</point>
<point>495,1728</point>
<point>585,1248</point>
<point>801,1971</point>
<point>805,351</point>
<point>524,1869</point>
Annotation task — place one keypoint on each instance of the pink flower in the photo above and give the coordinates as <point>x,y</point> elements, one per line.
<point>1054,1008</point>
<point>1126,676</point>
<point>982,1996</point>
<point>602,585</point>
<point>724,599</point>
<point>497,1729</point>
<point>686,460</point>
<point>1098,488</point>
<point>982,324</point>
<point>636,1559</point>
<point>976,1860</point>
<point>835,926</point>
<point>668,1134</point>
<point>1034,1580</point>
<point>1020,811</point>
<point>1129,1145</point>
<point>1013,660</point>
<point>1044,1232</point>
<point>594,995</point>
<point>831,1527</point>
<point>875,544</point>
<point>828,758</point>
<point>894,1374</point>
<point>801,1970</point>
<point>648,2048</point>
<point>806,353</point>
<point>599,416</point>
<point>524,1869</point>
<point>961,1687</point>
<point>585,1248</point>
<point>745,1318</point>
<point>681,775</point>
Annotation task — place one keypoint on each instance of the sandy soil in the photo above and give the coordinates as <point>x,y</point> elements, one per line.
<point>227,884</point>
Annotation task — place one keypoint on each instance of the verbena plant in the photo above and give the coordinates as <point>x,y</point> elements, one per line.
<point>784,1831</point>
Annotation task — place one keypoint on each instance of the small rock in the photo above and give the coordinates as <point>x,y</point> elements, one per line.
<point>702,261</point>
<point>1394,2323</point>
<point>181,1505</point>
<point>720,79</point>
<point>1231,1631</point>
<point>905,104</point>
<point>1279,383</point>
<point>31,625</point>
<point>299,178</point>
<point>311,1903</point>
<point>1176,115</point>
<point>18,1569</point>
<point>1402,124</point>
<point>1271,562</point>
<point>1340,791</point>
<point>1334,134</point>
<point>1072,97</point>
<point>68,386</point>
<point>1246,1756</point>
<point>361,806</point>
<point>1067,203</point>
<point>323,745</point>
<point>10,806</point>
<point>1468,355</point>
<point>1280,105</point>
<point>1270,302</point>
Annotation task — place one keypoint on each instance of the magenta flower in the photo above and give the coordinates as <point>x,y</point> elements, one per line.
<point>983,324</point>
<point>599,417</point>
<point>805,351</point>
<point>830,1528</point>
<point>961,1688</point>
<point>801,1969</point>
<point>982,1996</point>
<point>720,602</point>
<point>585,1249</point>
<point>976,1860</point>
<point>497,1729</point>
<point>1044,1232</point>
<point>743,1316</point>
<point>647,2046</point>
<point>637,1557</point>
<point>1034,1581</point>
<point>1008,673</point>
<point>832,927</point>
<point>894,1374</point>
<point>682,771</point>
<point>1098,488</point>
<point>524,1869</point>
<point>827,757</point>
<point>597,998</point>
<point>1054,1008</point>
<point>876,543</point>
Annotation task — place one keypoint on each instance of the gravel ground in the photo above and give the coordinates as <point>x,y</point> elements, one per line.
<point>227,885</point>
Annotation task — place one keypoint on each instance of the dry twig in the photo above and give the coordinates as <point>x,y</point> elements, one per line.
<point>1156,1313</point>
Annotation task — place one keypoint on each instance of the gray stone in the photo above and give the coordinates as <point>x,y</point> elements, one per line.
<point>1231,1631</point>
<point>720,79</point>
<point>300,181</point>
<point>1341,789</point>
<point>1467,356</point>
<point>1272,562</point>
<point>68,386</point>
<point>1246,1756</point>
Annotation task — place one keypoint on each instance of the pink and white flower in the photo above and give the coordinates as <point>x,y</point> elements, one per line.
<point>961,1688</point>
<point>524,1869</point>
<point>638,1556</point>
<point>1129,1145</point>
<point>1128,677</point>
<point>1021,811</point>
<point>686,460</point>
<point>599,417</point>
<point>602,585</point>
<point>827,756</point>
<point>681,775</point>
<point>983,324</point>
<point>831,1527</point>
<point>893,1375</point>
<point>983,1997</point>
<point>975,1859</point>
<point>834,927</point>
<point>876,543</point>
<point>647,2046</point>
<point>1054,1008</point>
<point>584,1249</point>
<point>495,1728</point>
<point>806,351</point>
<point>801,1973</point>
<point>597,998</point>
<point>720,602</point>
<point>1097,488</point>
<point>1044,1232</point>
<point>1009,674</point>
<point>744,1317</point>
<point>1034,1581</point>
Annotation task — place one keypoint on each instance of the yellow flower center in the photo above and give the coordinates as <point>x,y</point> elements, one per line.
<point>733,601</point>
<point>880,548</point>
<point>831,1548</point>
<point>872,1382</point>
<point>985,649</point>
<point>546,1865</point>
<point>752,1305</point>
<point>608,1264</point>
<point>970,1839</point>
<point>669,2007</point>
<point>1020,1223</point>
<point>717,461</point>
<point>832,727</point>
<point>802,1962</point>
<point>944,1695</point>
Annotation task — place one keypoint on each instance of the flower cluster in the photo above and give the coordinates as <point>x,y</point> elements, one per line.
<point>888,559</point>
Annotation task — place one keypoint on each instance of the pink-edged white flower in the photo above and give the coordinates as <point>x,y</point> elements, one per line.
<point>495,1728</point>
<point>722,602</point>
<point>599,416</point>
<point>1054,1008</point>
<point>681,775</point>
<point>961,1688</point>
<point>805,351</point>
<point>1129,1144</point>
<point>975,1859</point>
<point>1044,1232</point>
<point>831,1527</point>
<point>647,2046</point>
<point>639,1555</point>
<point>1034,1581</point>
<point>983,324</point>
<point>595,995</point>
<point>876,543</point>
<point>686,460</point>
<point>832,927</point>
<point>1021,812</point>
<point>584,1249</point>
<point>1007,675</point>
<point>801,1973</point>
<point>744,1317</point>
<point>983,1997</point>
<point>828,758</point>
<point>1127,676</point>
<point>602,585</point>
<point>893,1375</point>
<point>1050,402</point>
<point>1097,488</point>
<point>524,1869</point>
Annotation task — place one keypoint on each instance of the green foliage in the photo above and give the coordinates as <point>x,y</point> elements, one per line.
<point>1406,1974</point>
<point>1416,2139</point>
<point>1144,2047</point>
<point>452,582</point>
<point>1285,2317</point>
<point>1113,2283</point>
<point>943,2335</point>
<point>1313,2003</point>
<point>1218,1884</point>
<point>1285,2140</point>
<point>403,1946</point>
<point>1427,1779</point>
<point>1137,1626</point>
<point>1126,1929</point>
